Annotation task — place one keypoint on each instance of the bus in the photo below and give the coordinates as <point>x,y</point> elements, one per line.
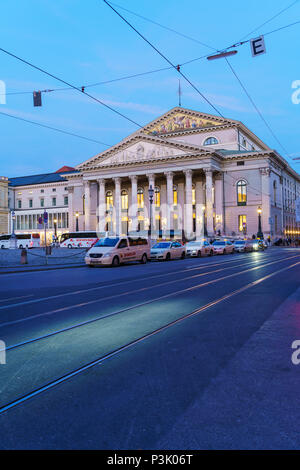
<point>23,240</point>
<point>79,239</point>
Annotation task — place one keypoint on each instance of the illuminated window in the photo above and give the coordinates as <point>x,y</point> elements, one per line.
<point>124,200</point>
<point>140,198</point>
<point>242,223</point>
<point>211,141</point>
<point>109,200</point>
<point>193,195</point>
<point>241,193</point>
<point>175,195</point>
<point>157,196</point>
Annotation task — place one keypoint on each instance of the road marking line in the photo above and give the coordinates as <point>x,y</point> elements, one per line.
<point>117,351</point>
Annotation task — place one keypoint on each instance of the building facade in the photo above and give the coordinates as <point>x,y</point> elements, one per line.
<point>30,196</point>
<point>210,175</point>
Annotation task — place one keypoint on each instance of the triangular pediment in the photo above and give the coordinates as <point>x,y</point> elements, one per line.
<point>184,120</point>
<point>140,148</point>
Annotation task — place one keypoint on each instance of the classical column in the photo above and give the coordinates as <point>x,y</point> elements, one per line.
<point>151,180</point>
<point>87,205</point>
<point>101,205</point>
<point>209,201</point>
<point>200,206</point>
<point>188,213</point>
<point>133,205</point>
<point>266,216</point>
<point>219,203</point>
<point>170,201</point>
<point>70,209</point>
<point>117,205</point>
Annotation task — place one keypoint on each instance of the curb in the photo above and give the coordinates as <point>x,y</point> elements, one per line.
<point>42,269</point>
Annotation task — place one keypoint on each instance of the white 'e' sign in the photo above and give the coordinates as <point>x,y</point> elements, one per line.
<point>258,46</point>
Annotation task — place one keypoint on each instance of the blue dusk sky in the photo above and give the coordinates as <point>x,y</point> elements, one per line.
<point>85,42</point>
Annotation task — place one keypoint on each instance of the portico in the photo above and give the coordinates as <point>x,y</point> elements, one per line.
<point>184,199</point>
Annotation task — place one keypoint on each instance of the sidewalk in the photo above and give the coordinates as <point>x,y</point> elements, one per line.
<point>254,401</point>
<point>36,257</point>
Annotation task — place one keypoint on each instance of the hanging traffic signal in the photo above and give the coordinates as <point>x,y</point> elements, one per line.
<point>37,98</point>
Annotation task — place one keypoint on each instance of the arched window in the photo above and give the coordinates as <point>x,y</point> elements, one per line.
<point>109,200</point>
<point>175,195</point>
<point>241,193</point>
<point>140,198</point>
<point>124,199</point>
<point>211,141</point>
<point>157,196</point>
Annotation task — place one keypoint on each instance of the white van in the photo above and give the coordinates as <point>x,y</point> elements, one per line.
<point>114,251</point>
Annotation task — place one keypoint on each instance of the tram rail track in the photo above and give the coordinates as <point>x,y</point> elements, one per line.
<point>100,360</point>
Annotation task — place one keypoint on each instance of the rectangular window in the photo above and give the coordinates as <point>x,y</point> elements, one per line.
<point>194,196</point>
<point>54,201</point>
<point>140,200</point>
<point>242,224</point>
<point>19,204</point>
<point>42,190</point>
<point>54,189</point>
<point>42,202</point>
<point>30,202</point>
<point>66,200</point>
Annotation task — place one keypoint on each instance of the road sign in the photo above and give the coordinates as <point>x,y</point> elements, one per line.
<point>297,206</point>
<point>258,46</point>
<point>40,220</point>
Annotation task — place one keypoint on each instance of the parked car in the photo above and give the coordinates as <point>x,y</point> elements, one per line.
<point>114,251</point>
<point>241,246</point>
<point>258,245</point>
<point>223,247</point>
<point>199,248</point>
<point>166,250</point>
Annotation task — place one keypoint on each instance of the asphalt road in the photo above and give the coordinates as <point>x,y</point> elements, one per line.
<point>177,355</point>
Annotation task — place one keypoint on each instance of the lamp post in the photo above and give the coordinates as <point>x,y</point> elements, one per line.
<point>77,222</point>
<point>151,195</point>
<point>259,233</point>
<point>55,228</point>
<point>13,235</point>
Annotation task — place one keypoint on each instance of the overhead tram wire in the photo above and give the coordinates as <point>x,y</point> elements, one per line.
<point>70,85</point>
<point>127,77</point>
<point>177,68</point>
<point>217,50</point>
<point>53,128</point>
<point>270,19</point>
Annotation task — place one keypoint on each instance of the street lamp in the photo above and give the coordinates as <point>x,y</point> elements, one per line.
<point>77,222</point>
<point>259,233</point>
<point>13,235</point>
<point>151,195</point>
<point>55,228</point>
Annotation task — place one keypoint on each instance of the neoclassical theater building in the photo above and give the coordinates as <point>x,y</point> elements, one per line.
<point>210,175</point>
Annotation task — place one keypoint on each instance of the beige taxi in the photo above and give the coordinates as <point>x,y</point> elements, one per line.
<point>113,251</point>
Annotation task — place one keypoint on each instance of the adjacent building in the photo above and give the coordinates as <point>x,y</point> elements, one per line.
<point>30,196</point>
<point>4,211</point>
<point>210,175</point>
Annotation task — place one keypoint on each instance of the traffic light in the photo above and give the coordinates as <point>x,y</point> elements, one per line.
<point>37,98</point>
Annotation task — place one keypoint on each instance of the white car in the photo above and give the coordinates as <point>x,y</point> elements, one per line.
<point>241,246</point>
<point>199,248</point>
<point>113,251</point>
<point>167,251</point>
<point>223,247</point>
